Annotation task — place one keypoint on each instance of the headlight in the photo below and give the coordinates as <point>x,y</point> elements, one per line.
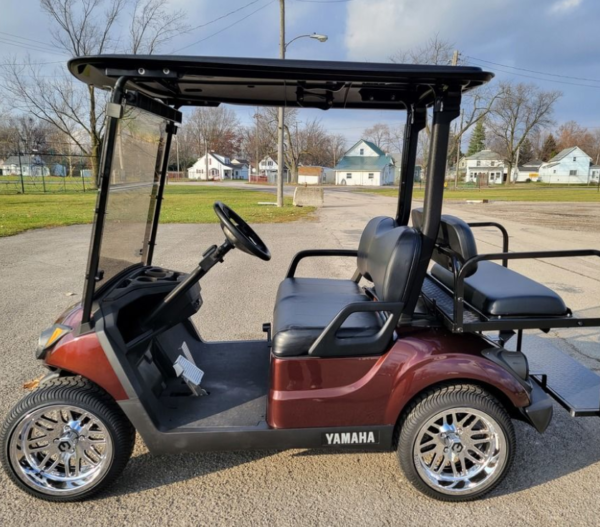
<point>49,337</point>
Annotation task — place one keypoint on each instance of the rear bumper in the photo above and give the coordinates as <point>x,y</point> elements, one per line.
<point>539,413</point>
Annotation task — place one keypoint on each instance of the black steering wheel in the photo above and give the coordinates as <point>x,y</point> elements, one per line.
<point>240,234</point>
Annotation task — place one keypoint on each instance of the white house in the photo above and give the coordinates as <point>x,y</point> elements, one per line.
<point>527,171</point>
<point>365,164</point>
<point>595,174</point>
<point>486,167</point>
<point>213,166</point>
<point>26,165</point>
<point>571,165</point>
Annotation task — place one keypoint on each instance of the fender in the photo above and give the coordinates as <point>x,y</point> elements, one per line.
<point>83,355</point>
<point>427,365</point>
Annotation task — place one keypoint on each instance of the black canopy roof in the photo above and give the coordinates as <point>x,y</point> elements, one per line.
<point>209,81</point>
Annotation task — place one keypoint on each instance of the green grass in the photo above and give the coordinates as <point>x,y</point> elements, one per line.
<point>518,193</point>
<point>19,213</point>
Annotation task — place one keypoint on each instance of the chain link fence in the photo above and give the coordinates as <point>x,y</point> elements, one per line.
<point>33,172</point>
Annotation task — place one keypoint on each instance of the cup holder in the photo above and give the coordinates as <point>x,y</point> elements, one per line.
<point>155,272</point>
<point>145,279</point>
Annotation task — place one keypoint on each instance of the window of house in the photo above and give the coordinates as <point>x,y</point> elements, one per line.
<point>371,175</point>
<point>574,159</point>
<point>478,163</point>
<point>554,171</point>
<point>210,160</point>
<point>348,175</point>
<point>492,163</point>
<point>572,172</point>
<point>362,151</point>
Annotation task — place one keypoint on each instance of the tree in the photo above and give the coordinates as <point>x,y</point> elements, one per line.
<point>549,148</point>
<point>476,104</point>
<point>526,152</point>
<point>435,51</point>
<point>521,109</point>
<point>217,128</point>
<point>81,28</point>
<point>477,141</point>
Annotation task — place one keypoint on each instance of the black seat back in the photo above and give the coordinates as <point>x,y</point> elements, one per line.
<point>388,256</point>
<point>455,236</point>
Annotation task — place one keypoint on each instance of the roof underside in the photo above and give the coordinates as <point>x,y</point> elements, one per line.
<point>209,81</point>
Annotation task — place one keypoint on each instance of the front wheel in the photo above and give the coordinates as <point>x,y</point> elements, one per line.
<point>456,443</point>
<point>66,441</point>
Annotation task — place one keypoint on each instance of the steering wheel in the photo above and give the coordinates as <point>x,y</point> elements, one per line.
<point>240,234</point>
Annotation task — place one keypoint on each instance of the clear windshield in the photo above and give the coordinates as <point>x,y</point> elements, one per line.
<point>134,178</point>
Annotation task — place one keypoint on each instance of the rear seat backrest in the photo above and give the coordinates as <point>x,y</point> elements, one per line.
<point>388,256</point>
<point>454,234</point>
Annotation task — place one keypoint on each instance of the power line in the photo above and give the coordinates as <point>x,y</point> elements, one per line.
<point>221,17</point>
<point>226,28</point>
<point>538,78</point>
<point>30,47</point>
<point>32,63</point>
<point>29,39</point>
<point>534,71</point>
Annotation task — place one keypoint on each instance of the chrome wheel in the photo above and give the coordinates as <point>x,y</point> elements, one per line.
<point>60,450</point>
<point>460,451</point>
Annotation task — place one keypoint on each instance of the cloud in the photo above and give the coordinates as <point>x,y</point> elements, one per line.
<point>564,5</point>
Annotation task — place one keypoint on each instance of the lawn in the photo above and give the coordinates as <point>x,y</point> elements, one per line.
<point>518,193</point>
<point>19,213</point>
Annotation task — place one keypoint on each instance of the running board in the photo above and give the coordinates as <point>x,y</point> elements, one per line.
<point>573,385</point>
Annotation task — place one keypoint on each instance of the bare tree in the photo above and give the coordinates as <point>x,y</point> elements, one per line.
<point>217,129</point>
<point>521,109</point>
<point>152,25</point>
<point>435,51</point>
<point>80,28</point>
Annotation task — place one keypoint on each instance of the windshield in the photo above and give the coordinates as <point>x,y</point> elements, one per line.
<point>134,179</point>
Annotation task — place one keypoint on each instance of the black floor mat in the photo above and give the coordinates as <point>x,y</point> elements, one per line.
<point>236,375</point>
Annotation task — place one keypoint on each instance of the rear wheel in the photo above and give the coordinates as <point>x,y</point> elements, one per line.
<point>456,443</point>
<point>66,441</point>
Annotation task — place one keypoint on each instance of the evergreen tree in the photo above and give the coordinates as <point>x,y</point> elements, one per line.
<point>477,142</point>
<point>526,152</point>
<point>549,148</point>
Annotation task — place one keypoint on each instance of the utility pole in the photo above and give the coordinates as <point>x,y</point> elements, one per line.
<point>280,110</point>
<point>256,145</point>
<point>458,142</point>
<point>20,166</point>
<point>509,176</point>
<point>206,158</point>
<point>455,57</point>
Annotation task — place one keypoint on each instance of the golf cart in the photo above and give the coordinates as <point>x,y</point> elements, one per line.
<point>401,356</point>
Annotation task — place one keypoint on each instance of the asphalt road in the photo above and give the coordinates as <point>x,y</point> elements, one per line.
<point>553,482</point>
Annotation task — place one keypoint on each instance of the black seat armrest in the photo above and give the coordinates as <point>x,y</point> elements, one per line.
<point>330,345</point>
<point>501,228</point>
<point>317,252</point>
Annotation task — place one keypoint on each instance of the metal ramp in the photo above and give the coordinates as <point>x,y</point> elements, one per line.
<point>569,382</point>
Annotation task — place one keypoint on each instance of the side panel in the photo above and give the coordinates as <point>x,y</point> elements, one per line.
<point>84,356</point>
<point>316,392</point>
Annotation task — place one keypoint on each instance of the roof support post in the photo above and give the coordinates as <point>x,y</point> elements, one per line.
<point>416,118</point>
<point>108,145</point>
<point>446,109</point>
<point>162,181</point>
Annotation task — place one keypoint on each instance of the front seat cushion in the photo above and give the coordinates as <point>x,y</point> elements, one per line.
<point>304,308</point>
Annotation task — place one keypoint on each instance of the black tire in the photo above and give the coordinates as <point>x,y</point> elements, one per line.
<point>415,425</point>
<point>81,393</point>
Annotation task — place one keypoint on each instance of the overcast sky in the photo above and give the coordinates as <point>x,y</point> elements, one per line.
<point>554,43</point>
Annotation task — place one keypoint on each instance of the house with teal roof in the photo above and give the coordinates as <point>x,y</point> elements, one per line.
<point>365,164</point>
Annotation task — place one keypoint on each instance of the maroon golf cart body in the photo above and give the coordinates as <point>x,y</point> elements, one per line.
<point>346,363</point>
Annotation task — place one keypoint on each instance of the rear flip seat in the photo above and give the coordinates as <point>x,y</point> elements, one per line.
<point>492,289</point>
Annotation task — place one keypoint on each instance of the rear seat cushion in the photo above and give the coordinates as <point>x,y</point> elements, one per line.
<point>305,306</point>
<point>498,291</point>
